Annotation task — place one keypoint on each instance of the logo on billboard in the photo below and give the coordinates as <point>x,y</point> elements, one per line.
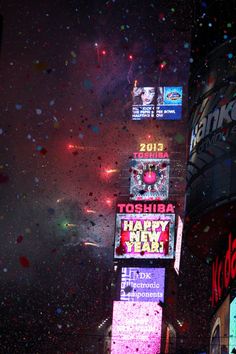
<point>223,271</point>
<point>142,284</point>
<point>214,126</point>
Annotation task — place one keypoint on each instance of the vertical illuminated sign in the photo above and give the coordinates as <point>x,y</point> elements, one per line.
<point>136,327</point>
<point>178,245</point>
<point>232,326</point>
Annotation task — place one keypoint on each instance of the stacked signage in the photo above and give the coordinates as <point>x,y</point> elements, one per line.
<point>145,230</point>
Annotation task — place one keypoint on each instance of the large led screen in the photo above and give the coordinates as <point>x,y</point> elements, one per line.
<point>163,103</point>
<point>149,179</point>
<point>232,326</point>
<point>144,236</point>
<point>142,284</point>
<point>136,327</point>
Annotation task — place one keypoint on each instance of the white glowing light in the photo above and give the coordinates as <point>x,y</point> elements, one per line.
<point>90,211</point>
<point>91,244</point>
<point>111,171</point>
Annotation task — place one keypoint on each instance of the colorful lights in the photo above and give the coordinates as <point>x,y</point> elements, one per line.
<point>130,57</point>
<point>104,52</point>
<point>108,202</point>
<point>110,171</point>
<point>162,65</point>
<point>90,211</point>
<point>91,244</point>
<point>102,323</point>
<point>74,148</point>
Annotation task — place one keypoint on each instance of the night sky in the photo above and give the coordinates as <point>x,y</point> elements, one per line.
<point>57,210</point>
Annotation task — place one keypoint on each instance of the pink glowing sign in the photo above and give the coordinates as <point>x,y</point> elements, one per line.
<point>136,327</point>
<point>178,245</point>
<point>149,179</point>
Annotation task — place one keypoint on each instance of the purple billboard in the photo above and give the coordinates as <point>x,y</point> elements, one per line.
<point>142,284</point>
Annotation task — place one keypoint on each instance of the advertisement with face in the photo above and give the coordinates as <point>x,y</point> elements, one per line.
<point>149,179</point>
<point>161,103</point>
<point>145,236</point>
<point>143,103</point>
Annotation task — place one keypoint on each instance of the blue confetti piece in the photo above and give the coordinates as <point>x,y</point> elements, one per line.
<point>133,163</point>
<point>95,129</point>
<point>38,111</point>
<point>39,148</point>
<point>18,106</point>
<point>58,311</point>
<point>88,84</point>
<point>230,55</point>
<point>51,211</point>
<point>81,135</point>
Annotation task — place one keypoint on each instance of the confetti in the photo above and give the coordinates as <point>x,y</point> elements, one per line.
<point>24,262</point>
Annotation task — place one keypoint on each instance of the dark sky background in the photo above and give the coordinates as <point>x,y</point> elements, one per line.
<point>55,91</point>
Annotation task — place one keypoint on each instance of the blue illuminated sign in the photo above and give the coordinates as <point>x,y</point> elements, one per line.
<point>161,103</point>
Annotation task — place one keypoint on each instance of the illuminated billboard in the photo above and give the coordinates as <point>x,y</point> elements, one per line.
<point>149,179</point>
<point>142,284</point>
<point>178,245</point>
<point>136,327</point>
<point>144,236</point>
<point>232,326</point>
<point>163,103</point>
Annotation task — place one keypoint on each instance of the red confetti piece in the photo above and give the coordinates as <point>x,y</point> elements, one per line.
<point>24,262</point>
<point>19,239</point>
<point>120,250</point>
<point>43,151</point>
<point>3,178</point>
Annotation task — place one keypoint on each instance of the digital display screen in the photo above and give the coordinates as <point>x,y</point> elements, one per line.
<point>178,245</point>
<point>144,236</point>
<point>142,284</point>
<point>149,179</point>
<point>161,103</point>
<point>136,327</point>
<point>232,326</point>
